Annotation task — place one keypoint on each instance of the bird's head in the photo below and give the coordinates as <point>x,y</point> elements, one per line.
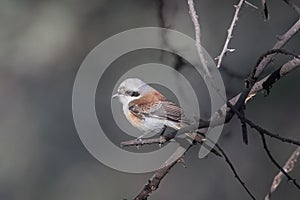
<point>131,89</point>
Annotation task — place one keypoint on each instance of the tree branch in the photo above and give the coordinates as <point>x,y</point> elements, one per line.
<point>283,70</point>
<point>260,129</point>
<point>294,6</point>
<point>258,86</point>
<point>279,44</point>
<point>249,91</point>
<point>288,167</point>
<point>140,142</point>
<point>194,18</point>
<point>262,133</point>
<point>229,33</point>
<point>155,180</point>
<point>276,163</point>
<point>227,160</point>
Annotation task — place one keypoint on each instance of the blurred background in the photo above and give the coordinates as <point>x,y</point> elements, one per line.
<point>42,45</point>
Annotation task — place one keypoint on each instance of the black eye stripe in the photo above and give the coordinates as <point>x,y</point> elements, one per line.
<point>132,93</point>
<point>135,94</point>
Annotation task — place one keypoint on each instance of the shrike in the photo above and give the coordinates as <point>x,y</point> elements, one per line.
<point>147,109</point>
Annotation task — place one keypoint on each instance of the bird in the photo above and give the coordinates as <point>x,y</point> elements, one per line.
<point>147,109</point>
<point>150,111</point>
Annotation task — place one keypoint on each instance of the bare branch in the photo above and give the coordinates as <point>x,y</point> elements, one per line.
<point>288,167</point>
<point>246,94</point>
<point>229,33</point>
<point>140,142</point>
<point>294,6</point>
<point>262,133</point>
<point>161,18</point>
<point>258,86</point>
<point>283,70</point>
<point>260,129</point>
<point>252,78</point>
<point>227,160</point>
<point>154,182</point>
<point>239,101</point>
<point>276,163</point>
<point>194,18</point>
<point>265,9</point>
<point>244,128</point>
<point>279,44</point>
<point>251,5</point>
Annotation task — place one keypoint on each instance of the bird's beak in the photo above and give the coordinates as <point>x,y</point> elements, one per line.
<point>115,96</point>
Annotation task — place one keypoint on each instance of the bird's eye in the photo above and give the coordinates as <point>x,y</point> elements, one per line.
<point>133,93</point>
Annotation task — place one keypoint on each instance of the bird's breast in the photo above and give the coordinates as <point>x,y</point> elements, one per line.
<point>145,124</point>
<point>134,120</point>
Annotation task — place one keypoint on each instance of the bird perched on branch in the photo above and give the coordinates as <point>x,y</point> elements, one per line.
<point>150,111</point>
<point>147,109</point>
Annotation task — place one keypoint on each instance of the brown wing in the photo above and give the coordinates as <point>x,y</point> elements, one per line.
<point>170,110</point>
<point>156,106</point>
<point>160,109</point>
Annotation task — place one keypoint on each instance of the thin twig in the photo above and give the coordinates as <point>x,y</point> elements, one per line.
<point>260,129</point>
<point>265,10</point>
<point>161,18</point>
<point>229,33</point>
<point>280,43</point>
<point>275,162</point>
<point>284,70</point>
<point>294,6</point>
<point>283,39</point>
<point>155,180</point>
<point>244,128</point>
<point>253,76</point>
<point>140,142</point>
<point>227,160</point>
<point>194,18</point>
<point>288,167</point>
<point>251,5</point>
<point>272,135</point>
<point>262,133</point>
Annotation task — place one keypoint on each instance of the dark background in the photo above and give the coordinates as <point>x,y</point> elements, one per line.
<point>42,44</point>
